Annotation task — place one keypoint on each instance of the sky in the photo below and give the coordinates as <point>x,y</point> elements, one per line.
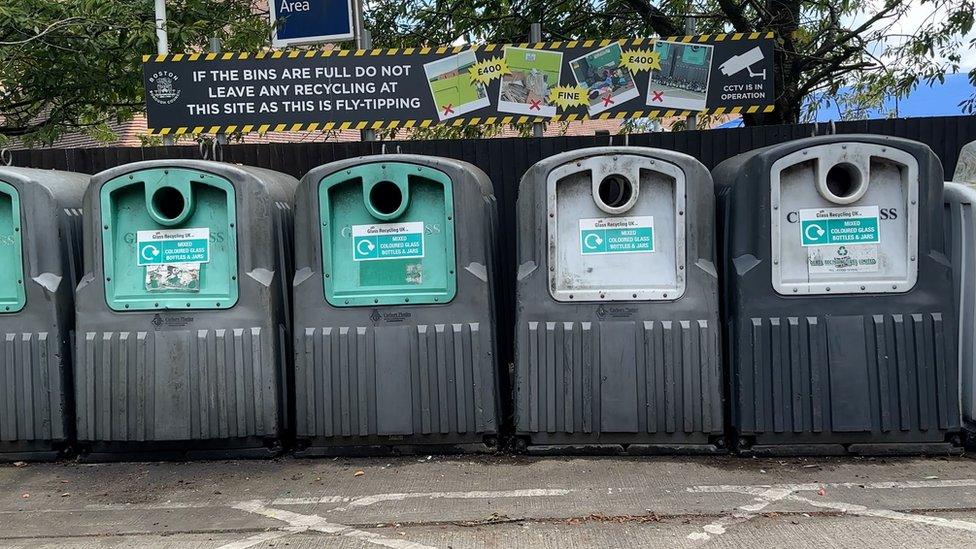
<point>921,13</point>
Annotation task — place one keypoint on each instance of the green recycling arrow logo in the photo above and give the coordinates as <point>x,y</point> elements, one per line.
<point>814,233</point>
<point>592,241</point>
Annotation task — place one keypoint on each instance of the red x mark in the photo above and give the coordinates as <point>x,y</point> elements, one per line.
<point>448,110</point>
<point>535,105</point>
<point>658,96</point>
<point>607,100</point>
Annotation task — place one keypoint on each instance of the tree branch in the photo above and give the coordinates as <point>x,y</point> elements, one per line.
<point>656,19</point>
<point>736,15</point>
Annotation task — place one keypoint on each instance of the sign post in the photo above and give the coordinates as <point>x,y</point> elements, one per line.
<point>535,36</point>
<point>162,43</point>
<point>301,22</point>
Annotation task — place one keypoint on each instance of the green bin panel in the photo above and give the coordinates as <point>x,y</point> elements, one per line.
<point>12,297</point>
<point>694,55</point>
<point>169,199</point>
<point>377,250</point>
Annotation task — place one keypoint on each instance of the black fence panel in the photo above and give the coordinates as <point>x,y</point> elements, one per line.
<point>505,160</point>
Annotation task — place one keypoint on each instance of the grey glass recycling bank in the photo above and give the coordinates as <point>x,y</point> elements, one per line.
<point>617,342</point>
<point>960,230</point>
<point>839,298</point>
<point>183,311</point>
<point>40,237</point>
<point>394,311</point>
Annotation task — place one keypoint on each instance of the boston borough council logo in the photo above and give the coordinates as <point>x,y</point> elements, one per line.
<point>162,87</point>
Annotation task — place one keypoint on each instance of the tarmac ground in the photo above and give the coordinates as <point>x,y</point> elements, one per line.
<point>424,502</point>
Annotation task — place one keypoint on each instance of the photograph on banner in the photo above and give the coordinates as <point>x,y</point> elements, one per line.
<point>526,89</point>
<point>451,87</point>
<point>607,81</point>
<point>682,82</point>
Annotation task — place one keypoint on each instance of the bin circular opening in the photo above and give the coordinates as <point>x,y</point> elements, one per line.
<point>385,197</point>
<point>168,203</point>
<point>844,180</point>
<point>615,191</point>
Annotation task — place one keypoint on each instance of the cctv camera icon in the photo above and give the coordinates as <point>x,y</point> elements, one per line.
<point>743,62</point>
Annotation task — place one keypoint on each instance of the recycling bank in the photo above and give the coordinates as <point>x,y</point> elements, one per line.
<point>841,325</point>
<point>617,332</point>
<point>40,255</point>
<point>395,306</point>
<point>183,310</point>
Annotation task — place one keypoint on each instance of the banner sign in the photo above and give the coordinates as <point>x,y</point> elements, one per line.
<point>481,84</point>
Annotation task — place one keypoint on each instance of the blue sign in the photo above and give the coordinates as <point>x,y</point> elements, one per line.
<point>311,21</point>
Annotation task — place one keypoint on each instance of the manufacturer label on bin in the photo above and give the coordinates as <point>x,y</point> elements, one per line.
<point>843,259</point>
<point>168,246</point>
<point>839,226</point>
<point>617,235</point>
<point>388,241</point>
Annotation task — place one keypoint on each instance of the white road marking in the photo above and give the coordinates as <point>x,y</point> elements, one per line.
<point>301,523</point>
<point>312,501</point>
<point>363,501</point>
<point>260,538</point>
<point>205,504</point>
<point>860,510</point>
<point>812,487</point>
<point>162,506</point>
<point>351,501</point>
<point>769,493</point>
<point>764,497</point>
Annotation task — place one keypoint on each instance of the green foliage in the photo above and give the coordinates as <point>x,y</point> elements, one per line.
<point>931,51</point>
<point>75,65</point>
<point>822,46</point>
<point>444,131</point>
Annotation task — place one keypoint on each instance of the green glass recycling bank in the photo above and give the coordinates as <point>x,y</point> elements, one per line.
<point>40,214</point>
<point>394,307</point>
<point>182,311</point>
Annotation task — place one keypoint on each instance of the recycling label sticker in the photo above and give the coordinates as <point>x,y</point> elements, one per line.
<point>388,241</point>
<point>841,240</point>
<point>172,246</point>
<point>839,226</point>
<point>617,235</point>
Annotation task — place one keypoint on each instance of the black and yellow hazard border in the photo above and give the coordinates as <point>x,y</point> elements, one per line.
<point>463,121</point>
